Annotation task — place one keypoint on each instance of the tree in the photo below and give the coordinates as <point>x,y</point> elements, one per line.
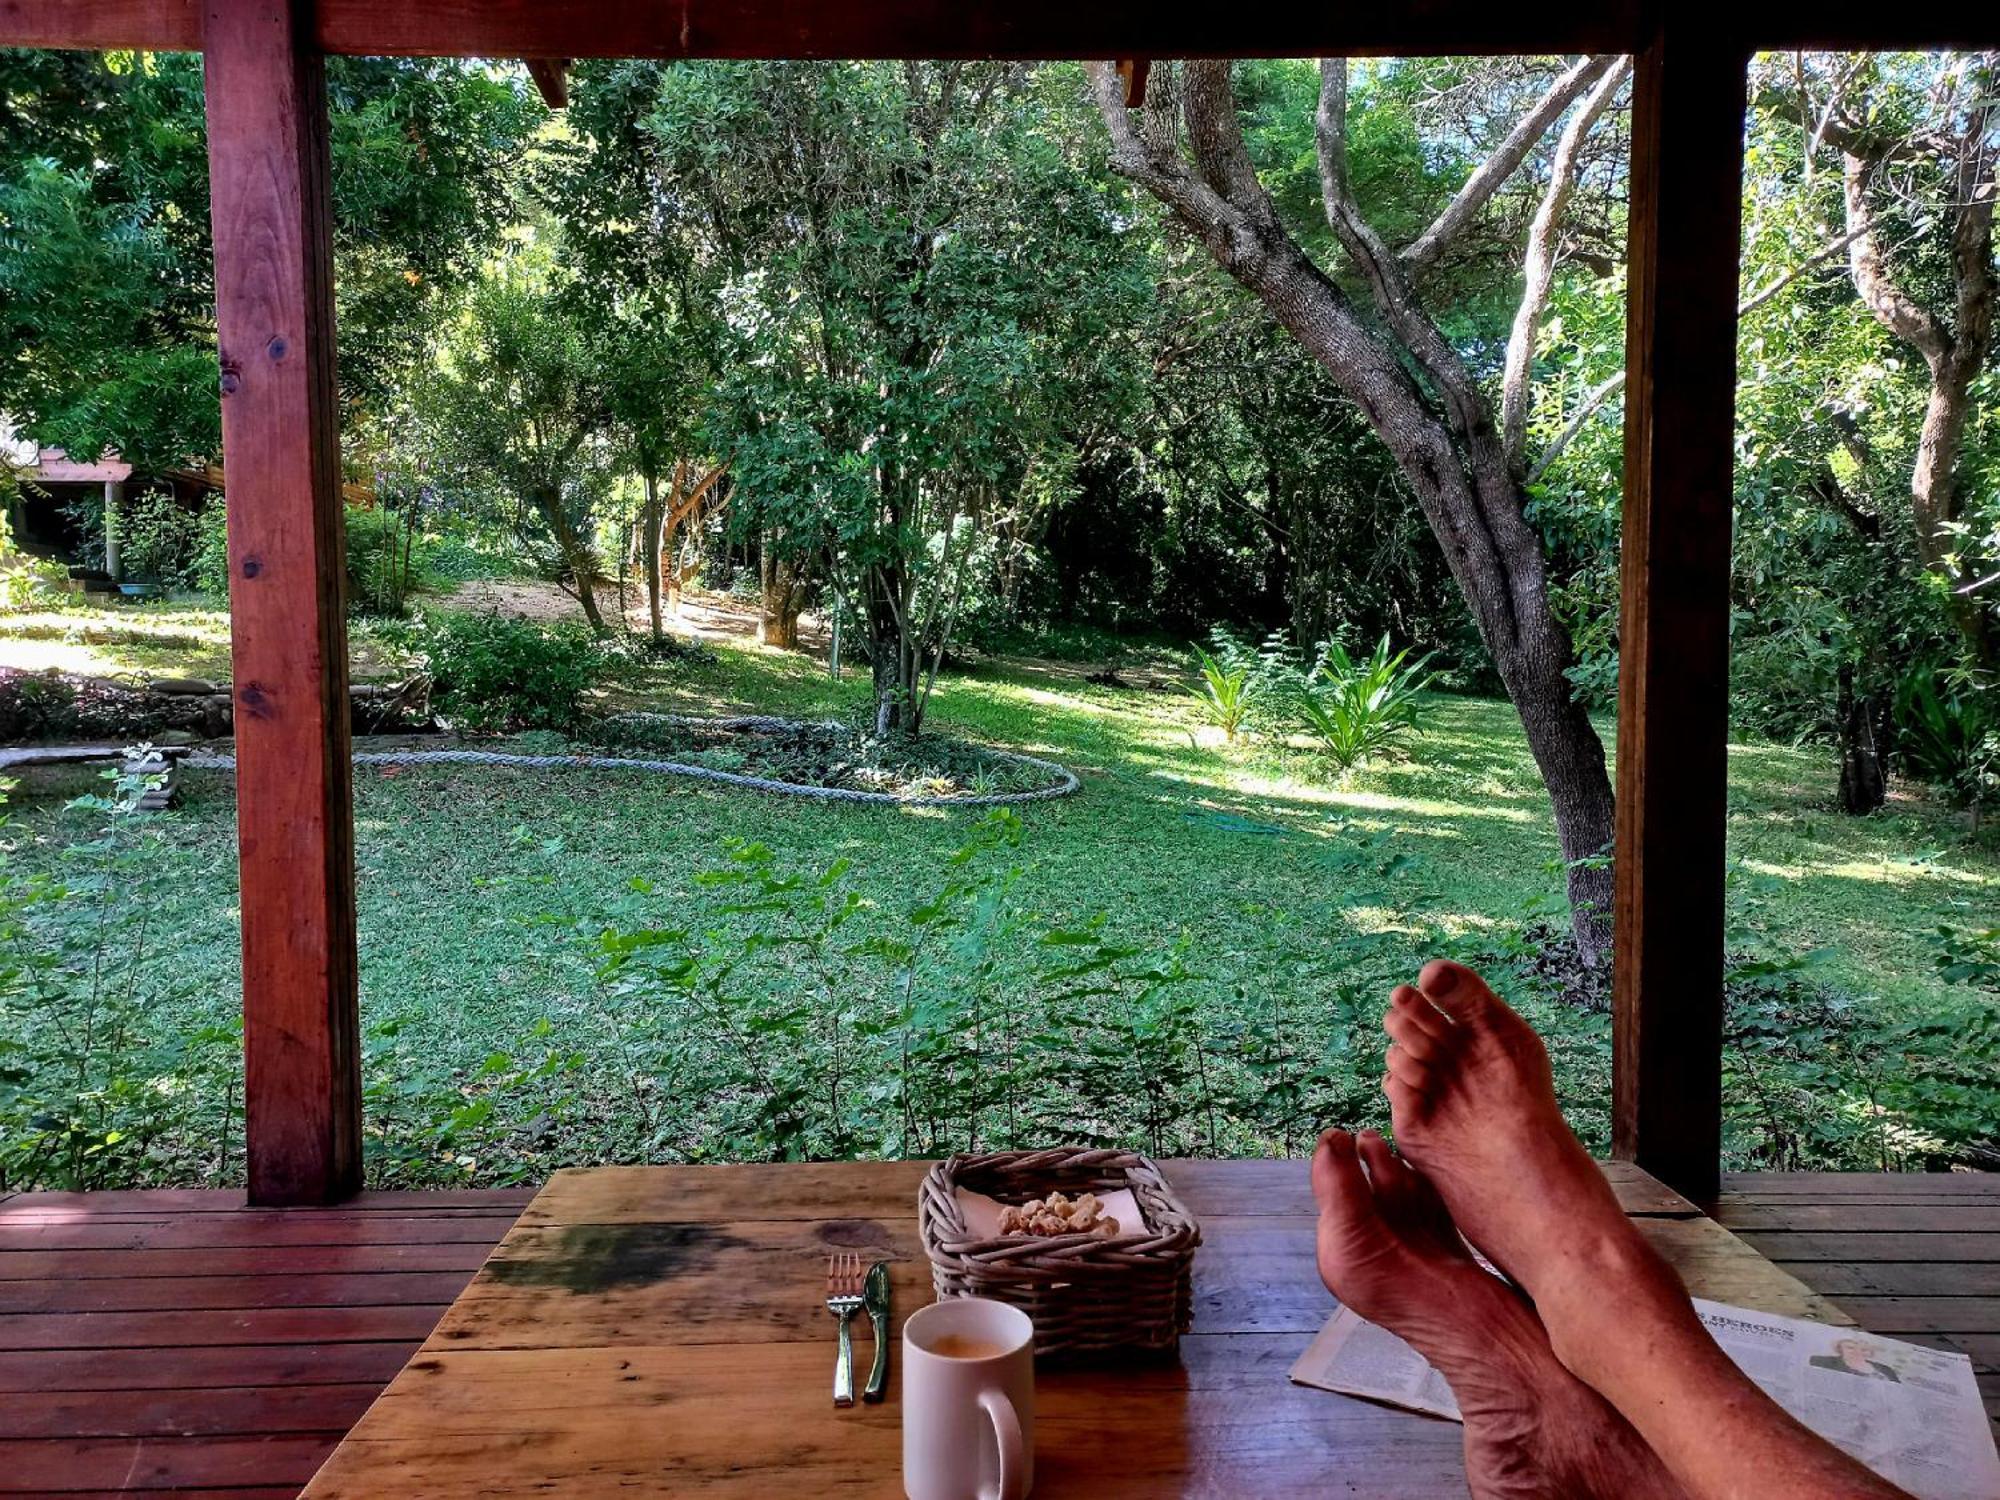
<point>106,270</point>
<point>1462,453</point>
<point>918,276</point>
<point>1917,143</point>
<point>518,403</point>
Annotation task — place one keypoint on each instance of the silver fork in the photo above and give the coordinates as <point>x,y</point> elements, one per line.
<point>843,1300</point>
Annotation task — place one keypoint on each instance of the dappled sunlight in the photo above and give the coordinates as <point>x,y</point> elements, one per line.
<point>1880,872</point>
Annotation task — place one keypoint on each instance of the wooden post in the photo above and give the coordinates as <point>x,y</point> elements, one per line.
<point>114,518</point>
<point>1673,699</point>
<point>268,166</point>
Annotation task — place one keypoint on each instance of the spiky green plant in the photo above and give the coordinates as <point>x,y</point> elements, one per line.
<point>1356,708</point>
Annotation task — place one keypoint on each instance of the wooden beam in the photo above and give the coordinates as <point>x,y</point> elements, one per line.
<point>268,167</point>
<point>1026,29</point>
<point>1673,711</point>
<point>102,25</point>
<point>551,75</point>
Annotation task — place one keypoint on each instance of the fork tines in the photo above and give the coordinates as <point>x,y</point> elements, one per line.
<point>843,1274</point>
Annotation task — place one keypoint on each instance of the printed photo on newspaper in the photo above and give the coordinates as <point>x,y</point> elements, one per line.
<point>1913,1415</point>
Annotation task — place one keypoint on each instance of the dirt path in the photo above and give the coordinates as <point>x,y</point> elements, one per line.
<point>705,616</point>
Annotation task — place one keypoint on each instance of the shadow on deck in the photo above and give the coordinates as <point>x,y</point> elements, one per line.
<point>179,1341</point>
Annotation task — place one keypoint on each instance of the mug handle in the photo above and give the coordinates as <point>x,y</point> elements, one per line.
<point>1007,1434</point>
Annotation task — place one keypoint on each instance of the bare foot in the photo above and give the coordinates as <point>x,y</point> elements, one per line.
<point>1474,1107</point>
<point>1389,1250</point>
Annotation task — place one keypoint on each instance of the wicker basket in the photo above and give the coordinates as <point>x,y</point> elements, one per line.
<point>1084,1291</point>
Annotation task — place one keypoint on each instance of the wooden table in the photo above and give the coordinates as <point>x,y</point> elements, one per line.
<point>660,1330</point>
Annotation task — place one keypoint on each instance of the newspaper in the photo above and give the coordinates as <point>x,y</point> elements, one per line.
<point>1911,1414</point>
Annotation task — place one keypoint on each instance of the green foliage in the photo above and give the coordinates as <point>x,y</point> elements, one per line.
<point>1355,709</point>
<point>494,672</point>
<point>105,264</point>
<point>381,560</point>
<point>962,1020</point>
<point>99,1082</point>
<point>34,583</point>
<point>1969,958</point>
<point>1949,733</point>
<point>1227,692</point>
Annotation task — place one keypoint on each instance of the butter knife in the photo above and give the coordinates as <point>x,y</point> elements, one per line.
<point>875,1298</point>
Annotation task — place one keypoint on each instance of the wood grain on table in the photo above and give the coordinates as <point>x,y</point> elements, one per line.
<point>660,1330</point>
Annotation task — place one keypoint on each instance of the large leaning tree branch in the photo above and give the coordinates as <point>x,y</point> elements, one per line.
<point>1388,282</point>
<point>1423,252</point>
<point>1414,390</point>
<point>1539,265</point>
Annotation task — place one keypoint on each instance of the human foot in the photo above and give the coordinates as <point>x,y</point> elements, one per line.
<point>1474,1106</point>
<point>1389,1250</point>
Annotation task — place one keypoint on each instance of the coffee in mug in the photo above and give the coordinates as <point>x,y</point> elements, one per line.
<point>968,1401</point>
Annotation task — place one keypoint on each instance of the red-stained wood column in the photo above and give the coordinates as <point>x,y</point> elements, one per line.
<point>268,165</point>
<point>1673,700</point>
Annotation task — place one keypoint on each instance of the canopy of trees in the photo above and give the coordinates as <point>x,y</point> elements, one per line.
<point>951,350</point>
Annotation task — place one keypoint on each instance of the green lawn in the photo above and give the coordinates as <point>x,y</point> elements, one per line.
<point>497,1049</point>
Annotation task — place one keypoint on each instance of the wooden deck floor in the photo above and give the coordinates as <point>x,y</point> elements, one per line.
<point>179,1341</point>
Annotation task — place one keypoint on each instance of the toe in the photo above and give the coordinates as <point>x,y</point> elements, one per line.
<point>1456,990</point>
<point>1410,1036</point>
<point>1409,1069</point>
<point>1336,1172</point>
<point>1385,1171</point>
<point>1406,1105</point>
<point>1407,1001</point>
<point>1354,1240</point>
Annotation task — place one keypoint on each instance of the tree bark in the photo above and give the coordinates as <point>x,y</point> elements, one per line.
<point>781,595</point>
<point>1863,787</point>
<point>1449,450</point>
<point>574,553</point>
<point>652,519</point>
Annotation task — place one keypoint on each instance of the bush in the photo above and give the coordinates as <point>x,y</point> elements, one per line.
<point>1356,709</point>
<point>493,672</point>
<point>31,584</point>
<point>102,1082</point>
<point>1948,733</point>
<point>1227,690</point>
<point>386,563</point>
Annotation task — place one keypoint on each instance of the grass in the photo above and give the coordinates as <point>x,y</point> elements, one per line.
<point>480,893</point>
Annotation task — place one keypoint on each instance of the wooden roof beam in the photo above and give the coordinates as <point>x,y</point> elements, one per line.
<point>1029,29</point>
<point>551,75</point>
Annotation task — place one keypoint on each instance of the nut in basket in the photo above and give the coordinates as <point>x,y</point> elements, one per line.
<point>1085,1289</point>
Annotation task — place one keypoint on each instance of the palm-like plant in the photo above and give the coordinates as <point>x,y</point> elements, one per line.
<point>1228,688</point>
<point>1357,708</point>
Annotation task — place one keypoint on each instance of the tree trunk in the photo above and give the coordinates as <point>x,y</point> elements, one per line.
<point>1448,449</point>
<point>574,552</point>
<point>1863,787</point>
<point>652,518</point>
<point>781,591</point>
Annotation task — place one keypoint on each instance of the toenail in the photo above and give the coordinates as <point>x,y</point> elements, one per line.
<point>1445,980</point>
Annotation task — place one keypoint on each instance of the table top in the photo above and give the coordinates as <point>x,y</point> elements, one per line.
<point>662,1330</point>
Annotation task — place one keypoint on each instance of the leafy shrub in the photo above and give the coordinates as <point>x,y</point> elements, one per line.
<point>386,561</point>
<point>1970,958</point>
<point>1226,692</point>
<point>160,539</point>
<point>494,672</point>
<point>101,1080</point>
<point>380,560</point>
<point>1356,709</point>
<point>29,584</point>
<point>1948,733</point>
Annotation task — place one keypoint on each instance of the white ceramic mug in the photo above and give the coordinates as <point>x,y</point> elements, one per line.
<point>968,1417</point>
